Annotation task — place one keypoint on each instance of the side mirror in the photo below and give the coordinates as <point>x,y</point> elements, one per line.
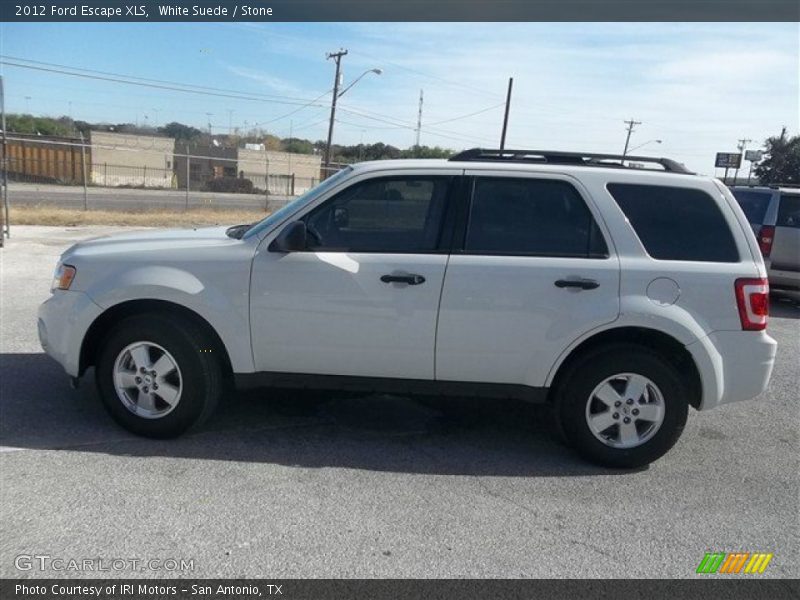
<point>293,238</point>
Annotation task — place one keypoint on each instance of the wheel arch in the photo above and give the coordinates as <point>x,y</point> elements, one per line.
<point>114,314</point>
<point>662,343</point>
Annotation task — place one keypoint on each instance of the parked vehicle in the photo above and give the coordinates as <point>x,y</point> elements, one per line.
<point>774,214</point>
<point>621,296</point>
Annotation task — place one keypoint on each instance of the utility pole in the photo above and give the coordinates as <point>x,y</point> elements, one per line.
<point>5,226</point>
<point>83,171</point>
<point>209,115</point>
<point>631,124</point>
<point>337,57</point>
<point>505,117</point>
<point>742,146</point>
<point>419,123</point>
<point>230,121</point>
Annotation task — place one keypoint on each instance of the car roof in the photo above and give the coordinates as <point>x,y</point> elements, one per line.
<point>783,189</point>
<point>577,171</point>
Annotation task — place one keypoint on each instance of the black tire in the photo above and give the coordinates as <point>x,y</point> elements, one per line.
<point>190,346</point>
<point>594,367</point>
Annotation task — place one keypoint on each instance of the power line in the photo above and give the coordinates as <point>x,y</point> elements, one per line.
<point>234,95</point>
<point>4,57</point>
<point>431,76</point>
<point>472,114</point>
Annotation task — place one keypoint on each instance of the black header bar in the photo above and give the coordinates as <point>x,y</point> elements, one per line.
<point>394,10</point>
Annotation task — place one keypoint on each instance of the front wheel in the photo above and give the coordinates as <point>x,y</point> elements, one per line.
<point>622,406</point>
<point>158,376</point>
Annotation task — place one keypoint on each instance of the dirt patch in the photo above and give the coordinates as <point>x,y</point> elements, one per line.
<point>48,215</point>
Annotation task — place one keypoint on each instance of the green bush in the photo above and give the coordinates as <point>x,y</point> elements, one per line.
<point>233,185</point>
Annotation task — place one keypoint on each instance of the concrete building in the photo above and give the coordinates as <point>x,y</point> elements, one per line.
<point>127,159</point>
<point>281,173</point>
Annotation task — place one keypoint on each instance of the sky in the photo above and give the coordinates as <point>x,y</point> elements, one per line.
<point>697,87</point>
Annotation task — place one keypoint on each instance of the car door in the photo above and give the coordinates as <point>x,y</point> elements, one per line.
<point>362,299</point>
<point>532,273</point>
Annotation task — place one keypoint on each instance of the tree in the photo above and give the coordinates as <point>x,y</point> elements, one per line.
<point>426,152</point>
<point>782,162</point>
<point>39,125</point>
<point>298,146</point>
<point>179,131</point>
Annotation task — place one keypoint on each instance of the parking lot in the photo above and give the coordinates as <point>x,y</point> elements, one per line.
<point>297,485</point>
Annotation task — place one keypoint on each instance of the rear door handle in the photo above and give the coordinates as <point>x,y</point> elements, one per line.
<point>409,279</point>
<point>583,284</point>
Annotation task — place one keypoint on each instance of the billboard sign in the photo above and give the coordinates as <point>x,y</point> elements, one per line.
<point>753,155</point>
<point>728,160</point>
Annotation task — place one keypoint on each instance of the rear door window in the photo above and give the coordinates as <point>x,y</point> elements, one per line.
<point>675,223</point>
<point>789,211</point>
<point>531,217</point>
<point>754,204</point>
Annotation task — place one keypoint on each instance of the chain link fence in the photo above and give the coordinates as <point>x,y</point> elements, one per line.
<point>71,162</point>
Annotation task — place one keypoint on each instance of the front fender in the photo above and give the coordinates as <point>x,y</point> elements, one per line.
<point>221,300</point>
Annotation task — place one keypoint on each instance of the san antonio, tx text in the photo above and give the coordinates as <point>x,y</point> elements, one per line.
<point>130,589</point>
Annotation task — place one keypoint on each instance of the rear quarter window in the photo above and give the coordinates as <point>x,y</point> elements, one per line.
<point>676,223</point>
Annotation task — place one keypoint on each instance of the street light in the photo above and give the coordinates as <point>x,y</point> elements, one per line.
<point>645,144</point>
<point>356,80</point>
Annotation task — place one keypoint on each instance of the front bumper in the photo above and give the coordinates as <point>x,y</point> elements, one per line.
<point>734,365</point>
<point>64,319</point>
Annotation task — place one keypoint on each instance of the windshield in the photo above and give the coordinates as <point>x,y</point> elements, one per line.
<point>298,203</point>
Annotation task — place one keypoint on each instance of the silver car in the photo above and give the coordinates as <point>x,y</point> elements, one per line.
<point>774,213</point>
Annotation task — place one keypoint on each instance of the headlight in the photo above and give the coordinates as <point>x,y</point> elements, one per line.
<point>63,277</point>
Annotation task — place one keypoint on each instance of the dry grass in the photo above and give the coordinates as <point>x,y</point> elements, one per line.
<point>65,217</point>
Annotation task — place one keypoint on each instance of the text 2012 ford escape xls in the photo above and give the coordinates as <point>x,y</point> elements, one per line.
<point>622,296</point>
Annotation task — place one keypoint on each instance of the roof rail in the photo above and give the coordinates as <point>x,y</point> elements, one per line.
<point>772,186</point>
<point>586,159</point>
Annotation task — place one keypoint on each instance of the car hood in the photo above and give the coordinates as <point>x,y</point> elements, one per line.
<point>157,240</point>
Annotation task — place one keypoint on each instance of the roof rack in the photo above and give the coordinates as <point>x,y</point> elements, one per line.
<point>771,186</point>
<point>585,159</point>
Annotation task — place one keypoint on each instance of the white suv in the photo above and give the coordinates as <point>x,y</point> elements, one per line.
<point>619,295</point>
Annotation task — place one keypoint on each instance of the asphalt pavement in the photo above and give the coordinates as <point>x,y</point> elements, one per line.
<point>295,485</point>
<point>134,199</point>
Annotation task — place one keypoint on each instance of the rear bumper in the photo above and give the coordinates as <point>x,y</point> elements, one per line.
<point>64,319</point>
<point>784,280</point>
<point>734,365</point>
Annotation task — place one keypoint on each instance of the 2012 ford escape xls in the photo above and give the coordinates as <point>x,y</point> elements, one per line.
<point>622,296</point>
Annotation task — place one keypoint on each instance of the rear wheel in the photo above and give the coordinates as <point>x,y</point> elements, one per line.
<point>158,376</point>
<point>622,406</point>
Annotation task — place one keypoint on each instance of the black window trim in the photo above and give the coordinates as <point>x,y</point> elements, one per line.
<point>465,212</point>
<point>445,233</point>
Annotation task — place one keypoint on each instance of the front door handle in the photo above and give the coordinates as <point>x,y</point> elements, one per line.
<point>409,279</point>
<point>583,284</point>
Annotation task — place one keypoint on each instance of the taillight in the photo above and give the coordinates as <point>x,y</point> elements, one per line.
<point>752,299</point>
<point>765,239</point>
